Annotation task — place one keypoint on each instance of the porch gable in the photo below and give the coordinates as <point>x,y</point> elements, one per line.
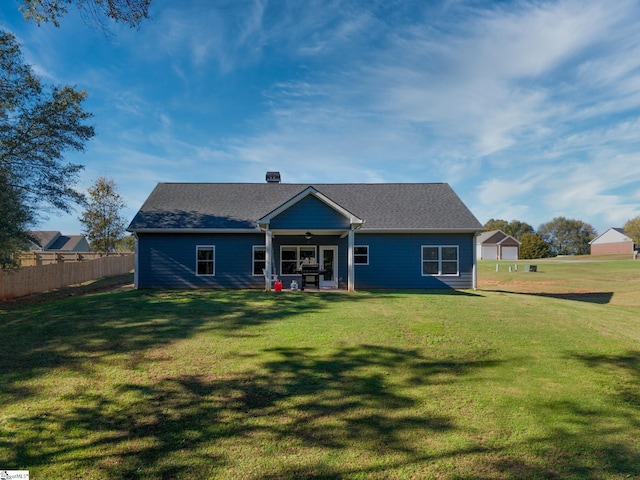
<point>310,210</point>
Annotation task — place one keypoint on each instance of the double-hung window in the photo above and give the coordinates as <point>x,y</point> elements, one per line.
<point>361,254</point>
<point>292,258</point>
<point>205,260</point>
<point>259,259</point>
<point>440,260</point>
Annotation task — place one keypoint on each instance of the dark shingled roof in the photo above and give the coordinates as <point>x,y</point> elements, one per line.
<point>44,237</point>
<point>66,242</point>
<point>428,206</point>
<point>494,237</point>
<point>50,240</point>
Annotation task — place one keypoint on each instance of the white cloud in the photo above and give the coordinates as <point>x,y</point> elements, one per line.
<point>529,108</point>
<point>599,188</point>
<point>489,80</point>
<point>510,86</point>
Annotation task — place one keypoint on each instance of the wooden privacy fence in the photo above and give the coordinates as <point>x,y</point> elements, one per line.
<point>27,280</point>
<point>34,259</point>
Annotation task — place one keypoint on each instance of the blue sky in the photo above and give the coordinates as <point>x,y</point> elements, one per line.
<point>529,109</point>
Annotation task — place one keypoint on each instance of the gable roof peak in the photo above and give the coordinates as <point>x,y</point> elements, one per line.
<point>310,191</point>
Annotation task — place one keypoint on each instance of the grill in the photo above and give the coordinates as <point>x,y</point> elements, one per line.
<point>310,274</point>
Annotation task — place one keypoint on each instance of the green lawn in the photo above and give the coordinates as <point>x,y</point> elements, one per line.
<point>534,375</point>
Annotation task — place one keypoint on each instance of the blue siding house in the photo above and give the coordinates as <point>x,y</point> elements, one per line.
<point>370,236</point>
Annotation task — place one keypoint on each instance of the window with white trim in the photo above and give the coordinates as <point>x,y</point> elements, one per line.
<point>205,260</point>
<point>292,257</point>
<point>440,260</point>
<point>259,259</point>
<point>361,254</point>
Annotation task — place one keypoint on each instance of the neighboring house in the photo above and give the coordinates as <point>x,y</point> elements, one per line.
<point>497,245</point>
<point>228,235</point>
<point>52,241</point>
<point>613,240</point>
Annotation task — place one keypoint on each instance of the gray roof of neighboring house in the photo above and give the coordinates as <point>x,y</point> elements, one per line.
<point>429,206</point>
<point>44,237</point>
<point>70,243</point>
<point>494,236</point>
<point>54,240</point>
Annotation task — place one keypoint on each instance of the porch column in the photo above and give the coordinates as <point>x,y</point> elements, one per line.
<point>268,267</point>
<point>351,271</point>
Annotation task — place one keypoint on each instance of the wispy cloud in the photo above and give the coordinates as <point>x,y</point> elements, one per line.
<point>200,33</point>
<point>529,108</point>
<point>496,92</point>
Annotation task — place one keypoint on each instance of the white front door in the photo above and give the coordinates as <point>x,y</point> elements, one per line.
<point>329,263</point>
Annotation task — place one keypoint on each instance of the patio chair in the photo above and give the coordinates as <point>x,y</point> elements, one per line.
<point>273,278</point>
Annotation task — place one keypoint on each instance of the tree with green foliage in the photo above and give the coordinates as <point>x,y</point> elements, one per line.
<point>533,246</point>
<point>567,236</point>
<point>126,244</point>
<point>104,225</point>
<point>38,125</point>
<point>496,224</point>
<point>518,229</point>
<point>515,228</point>
<point>129,12</point>
<point>14,224</point>
<point>632,229</point>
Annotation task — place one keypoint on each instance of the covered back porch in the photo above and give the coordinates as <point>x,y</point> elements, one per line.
<point>310,229</point>
<point>316,259</point>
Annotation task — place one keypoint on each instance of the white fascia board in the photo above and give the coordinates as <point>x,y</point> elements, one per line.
<point>353,220</point>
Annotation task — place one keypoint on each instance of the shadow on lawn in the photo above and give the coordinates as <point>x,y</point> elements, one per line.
<point>77,333</point>
<point>624,368</point>
<point>584,443</point>
<point>430,292</point>
<point>297,401</point>
<point>295,408</point>
<point>601,298</point>
<point>569,443</point>
<point>300,407</point>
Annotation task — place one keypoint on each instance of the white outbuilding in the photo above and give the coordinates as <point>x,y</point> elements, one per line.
<point>612,241</point>
<point>497,245</point>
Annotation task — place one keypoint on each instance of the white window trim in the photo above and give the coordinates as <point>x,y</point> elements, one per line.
<point>213,247</point>
<point>355,255</point>
<point>253,259</point>
<point>440,274</point>
<point>298,258</point>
